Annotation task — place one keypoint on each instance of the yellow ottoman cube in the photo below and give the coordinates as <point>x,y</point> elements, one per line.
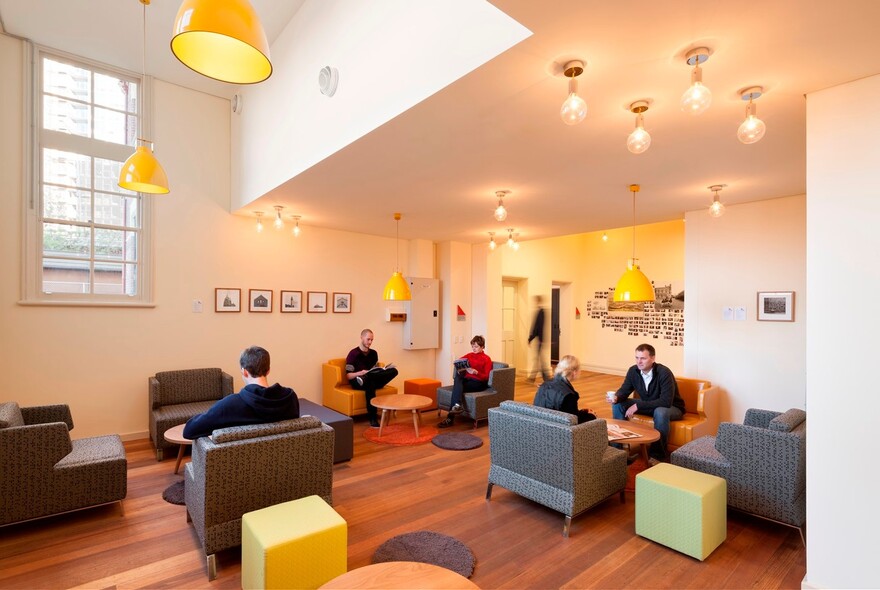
<point>297,544</point>
<point>682,509</point>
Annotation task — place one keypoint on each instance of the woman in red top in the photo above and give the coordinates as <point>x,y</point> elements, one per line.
<point>473,378</point>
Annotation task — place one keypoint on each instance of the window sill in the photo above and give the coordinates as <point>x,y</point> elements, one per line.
<point>62,303</point>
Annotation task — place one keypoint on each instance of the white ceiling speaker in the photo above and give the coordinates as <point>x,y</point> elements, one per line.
<point>236,104</point>
<point>328,78</point>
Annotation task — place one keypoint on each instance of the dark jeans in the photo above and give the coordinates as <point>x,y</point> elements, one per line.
<point>372,382</point>
<point>539,363</point>
<point>463,384</point>
<point>662,417</point>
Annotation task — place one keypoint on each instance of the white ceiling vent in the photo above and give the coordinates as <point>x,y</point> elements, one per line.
<point>328,78</point>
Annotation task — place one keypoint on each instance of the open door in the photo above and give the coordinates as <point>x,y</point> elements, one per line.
<point>554,325</point>
<point>508,322</point>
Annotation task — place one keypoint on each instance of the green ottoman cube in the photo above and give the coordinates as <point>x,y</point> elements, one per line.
<point>297,544</point>
<point>682,509</point>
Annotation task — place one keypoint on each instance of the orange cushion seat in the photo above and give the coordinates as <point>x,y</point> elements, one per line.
<point>701,413</point>
<point>425,387</point>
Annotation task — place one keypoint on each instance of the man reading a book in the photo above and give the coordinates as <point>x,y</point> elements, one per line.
<point>471,374</point>
<point>658,396</point>
<point>364,373</point>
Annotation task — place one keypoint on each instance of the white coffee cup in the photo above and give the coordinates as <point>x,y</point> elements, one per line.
<point>611,397</point>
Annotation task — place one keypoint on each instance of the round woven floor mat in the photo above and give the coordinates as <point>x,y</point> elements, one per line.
<point>457,441</point>
<point>173,494</point>
<point>428,547</point>
<point>401,434</point>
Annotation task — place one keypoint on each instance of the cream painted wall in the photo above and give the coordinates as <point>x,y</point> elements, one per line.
<point>98,359</point>
<point>454,266</point>
<point>583,264</point>
<point>843,209</point>
<point>753,247</point>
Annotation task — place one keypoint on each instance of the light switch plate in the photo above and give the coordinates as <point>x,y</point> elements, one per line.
<point>197,306</point>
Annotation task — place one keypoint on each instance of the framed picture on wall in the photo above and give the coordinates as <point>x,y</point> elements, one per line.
<point>291,301</point>
<point>775,306</point>
<point>227,300</point>
<point>316,302</point>
<point>260,300</point>
<point>342,303</point>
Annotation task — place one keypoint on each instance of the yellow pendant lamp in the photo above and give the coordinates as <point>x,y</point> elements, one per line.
<point>397,289</point>
<point>634,285</point>
<point>223,40</point>
<point>142,172</point>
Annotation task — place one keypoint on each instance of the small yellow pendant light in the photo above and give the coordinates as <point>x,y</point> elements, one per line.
<point>397,289</point>
<point>142,172</point>
<point>223,40</point>
<point>634,285</point>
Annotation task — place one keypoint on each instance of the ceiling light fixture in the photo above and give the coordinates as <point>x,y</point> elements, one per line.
<point>639,140</point>
<point>716,209</point>
<point>259,215</point>
<point>278,223</point>
<point>604,237</point>
<point>397,289</point>
<point>492,244</point>
<point>142,172</point>
<point>500,211</point>
<point>697,98</point>
<point>752,129</point>
<point>634,285</point>
<point>574,109</point>
<point>516,242</point>
<point>223,40</point>
<point>296,229</point>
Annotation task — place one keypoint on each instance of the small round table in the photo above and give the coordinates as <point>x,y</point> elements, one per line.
<point>401,574</point>
<point>401,401</point>
<point>647,435</point>
<point>174,435</point>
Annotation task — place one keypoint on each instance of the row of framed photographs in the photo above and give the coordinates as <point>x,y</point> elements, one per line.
<point>260,301</point>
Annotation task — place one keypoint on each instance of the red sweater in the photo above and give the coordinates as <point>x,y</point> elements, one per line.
<point>481,362</point>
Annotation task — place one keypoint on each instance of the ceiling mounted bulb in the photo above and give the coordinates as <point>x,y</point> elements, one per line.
<point>716,209</point>
<point>296,230</point>
<point>278,223</point>
<point>604,237</point>
<point>752,129</point>
<point>697,98</point>
<point>574,109</point>
<point>259,215</point>
<point>510,241</point>
<point>500,211</point>
<point>515,242</point>
<point>639,140</point>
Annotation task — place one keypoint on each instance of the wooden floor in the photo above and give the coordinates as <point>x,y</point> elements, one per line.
<point>385,491</point>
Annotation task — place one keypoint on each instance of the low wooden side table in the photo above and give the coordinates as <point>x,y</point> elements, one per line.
<point>647,435</point>
<point>174,435</point>
<point>401,401</point>
<point>401,574</point>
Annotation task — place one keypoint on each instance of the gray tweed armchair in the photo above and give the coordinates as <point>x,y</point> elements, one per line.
<point>244,468</point>
<point>546,456</point>
<point>763,460</point>
<point>177,396</point>
<point>476,405</point>
<point>44,472</point>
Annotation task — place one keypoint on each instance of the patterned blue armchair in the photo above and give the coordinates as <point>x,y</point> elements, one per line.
<point>476,404</point>
<point>763,460</point>
<point>547,457</point>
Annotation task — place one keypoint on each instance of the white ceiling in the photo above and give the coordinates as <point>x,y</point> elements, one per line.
<point>440,162</point>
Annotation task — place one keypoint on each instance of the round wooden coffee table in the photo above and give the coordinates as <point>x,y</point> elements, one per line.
<point>401,574</point>
<point>174,435</point>
<point>647,435</point>
<point>401,401</point>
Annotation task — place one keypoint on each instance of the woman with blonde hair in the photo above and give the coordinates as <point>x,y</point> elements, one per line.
<point>559,394</point>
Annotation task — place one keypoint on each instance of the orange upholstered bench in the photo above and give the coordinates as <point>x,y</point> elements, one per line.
<point>425,387</point>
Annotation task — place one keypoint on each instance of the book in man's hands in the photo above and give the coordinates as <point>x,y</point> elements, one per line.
<point>378,369</point>
<point>461,365</point>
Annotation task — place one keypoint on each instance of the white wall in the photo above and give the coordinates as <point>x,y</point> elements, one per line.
<point>843,209</point>
<point>752,247</point>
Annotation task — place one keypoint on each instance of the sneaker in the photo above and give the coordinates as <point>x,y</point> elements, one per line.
<point>456,409</point>
<point>446,423</point>
<point>374,422</point>
<point>360,381</point>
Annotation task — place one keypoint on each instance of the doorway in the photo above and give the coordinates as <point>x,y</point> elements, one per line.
<point>554,324</point>
<point>509,295</point>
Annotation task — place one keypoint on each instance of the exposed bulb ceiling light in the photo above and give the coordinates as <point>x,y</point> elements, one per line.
<point>278,223</point>
<point>397,289</point>
<point>634,285</point>
<point>716,209</point>
<point>574,109</point>
<point>492,244</point>
<point>752,129</point>
<point>500,211</point>
<point>142,172</point>
<point>259,215</point>
<point>639,140</point>
<point>604,237</point>
<point>296,229</point>
<point>516,242</point>
<point>697,98</point>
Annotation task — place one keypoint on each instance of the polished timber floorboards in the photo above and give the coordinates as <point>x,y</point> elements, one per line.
<point>385,491</point>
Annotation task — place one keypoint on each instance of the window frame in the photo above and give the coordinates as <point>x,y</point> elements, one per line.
<point>35,139</point>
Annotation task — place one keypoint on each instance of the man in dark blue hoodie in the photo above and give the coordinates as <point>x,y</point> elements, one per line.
<point>257,403</point>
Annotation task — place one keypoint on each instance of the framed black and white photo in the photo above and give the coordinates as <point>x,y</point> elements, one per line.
<point>227,300</point>
<point>775,306</point>
<point>316,302</point>
<point>291,301</point>
<point>260,300</point>
<point>342,303</point>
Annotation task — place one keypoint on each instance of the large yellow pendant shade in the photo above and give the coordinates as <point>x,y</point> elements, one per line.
<point>223,40</point>
<point>634,286</point>
<point>397,289</point>
<point>143,173</point>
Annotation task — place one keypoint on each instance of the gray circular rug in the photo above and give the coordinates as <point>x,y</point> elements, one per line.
<point>174,493</point>
<point>428,547</point>
<point>457,441</point>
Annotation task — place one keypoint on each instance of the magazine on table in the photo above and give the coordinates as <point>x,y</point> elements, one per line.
<point>615,432</point>
<point>461,365</point>
<point>379,369</point>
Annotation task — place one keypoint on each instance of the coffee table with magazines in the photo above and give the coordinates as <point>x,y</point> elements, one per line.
<point>644,435</point>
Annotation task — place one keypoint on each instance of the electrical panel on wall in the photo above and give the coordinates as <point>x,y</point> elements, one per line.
<point>422,326</point>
